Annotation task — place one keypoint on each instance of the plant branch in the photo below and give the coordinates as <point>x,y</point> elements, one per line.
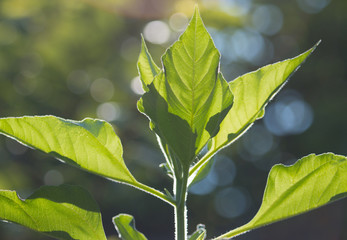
<point>155,193</point>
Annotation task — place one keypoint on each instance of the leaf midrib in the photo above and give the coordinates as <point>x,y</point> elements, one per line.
<point>193,79</point>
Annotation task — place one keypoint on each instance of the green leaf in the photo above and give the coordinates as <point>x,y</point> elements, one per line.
<point>89,144</point>
<point>64,212</point>
<point>125,225</point>
<point>252,92</point>
<point>146,66</point>
<point>147,71</point>
<point>189,98</point>
<point>311,182</point>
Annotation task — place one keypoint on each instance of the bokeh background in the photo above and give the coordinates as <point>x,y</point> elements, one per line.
<point>77,59</point>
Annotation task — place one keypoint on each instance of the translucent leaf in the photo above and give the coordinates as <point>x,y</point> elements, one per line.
<point>125,225</point>
<point>146,66</point>
<point>89,144</point>
<point>252,92</point>
<point>188,99</point>
<point>311,182</point>
<point>64,212</point>
<point>147,71</point>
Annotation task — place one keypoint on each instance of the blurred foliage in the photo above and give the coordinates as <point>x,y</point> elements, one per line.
<point>77,59</point>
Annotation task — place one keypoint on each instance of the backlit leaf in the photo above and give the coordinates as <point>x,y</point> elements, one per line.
<point>146,66</point>
<point>89,144</point>
<point>311,182</point>
<point>252,92</point>
<point>189,98</point>
<point>64,212</point>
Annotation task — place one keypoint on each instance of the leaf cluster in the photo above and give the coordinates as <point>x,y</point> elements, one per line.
<point>191,107</point>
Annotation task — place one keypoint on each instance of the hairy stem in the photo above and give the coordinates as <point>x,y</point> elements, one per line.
<point>180,189</point>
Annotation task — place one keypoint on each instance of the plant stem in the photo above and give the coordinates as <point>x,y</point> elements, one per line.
<point>181,222</point>
<point>180,189</point>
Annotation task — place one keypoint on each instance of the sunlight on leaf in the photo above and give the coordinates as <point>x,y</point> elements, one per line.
<point>252,92</point>
<point>311,182</point>
<point>188,99</point>
<point>89,144</point>
<point>146,66</point>
<point>64,212</point>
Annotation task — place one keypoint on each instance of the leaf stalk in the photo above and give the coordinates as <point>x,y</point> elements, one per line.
<point>155,193</point>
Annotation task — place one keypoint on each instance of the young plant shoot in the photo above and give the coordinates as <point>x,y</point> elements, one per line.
<point>190,106</point>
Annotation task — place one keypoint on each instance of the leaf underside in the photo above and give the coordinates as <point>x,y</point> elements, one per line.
<point>311,182</point>
<point>64,212</point>
<point>125,225</point>
<point>89,144</point>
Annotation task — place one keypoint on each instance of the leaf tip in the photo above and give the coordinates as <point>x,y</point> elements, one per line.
<point>143,46</point>
<point>320,40</point>
<point>196,16</point>
<point>196,9</point>
<point>316,45</point>
<point>143,42</point>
